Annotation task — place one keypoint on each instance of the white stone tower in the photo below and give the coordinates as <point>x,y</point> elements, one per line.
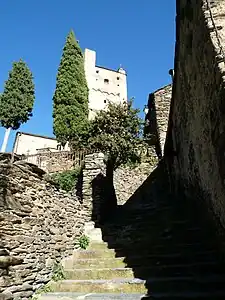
<point>104,84</point>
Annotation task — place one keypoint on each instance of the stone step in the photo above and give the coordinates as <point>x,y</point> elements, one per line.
<point>166,242</point>
<point>150,240</point>
<point>152,225</point>
<point>176,270</point>
<point>139,260</point>
<point>148,231</point>
<point>100,286</point>
<point>153,285</point>
<point>105,273</point>
<point>91,253</point>
<point>186,283</point>
<point>98,246</point>
<point>188,269</point>
<point>139,211</point>
<point>91,296</point>
<point>169,259</point>
<point>187,236</point>
<point>188,295</point>
<point>154,214</point>
<point>70,263</point>
<point>166,248</point>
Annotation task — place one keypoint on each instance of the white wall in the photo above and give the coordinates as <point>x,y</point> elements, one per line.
<point>29,144</point>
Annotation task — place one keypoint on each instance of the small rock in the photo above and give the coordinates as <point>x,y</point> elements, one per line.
<point>6,261</point>
<point>23,294</point>
<point>4,252</point>
<point>6,296</point>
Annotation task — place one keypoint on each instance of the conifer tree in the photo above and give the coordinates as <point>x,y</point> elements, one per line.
<point>70,100</point>
<point>17,99</point>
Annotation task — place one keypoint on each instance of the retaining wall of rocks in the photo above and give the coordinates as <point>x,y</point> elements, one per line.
<point>126,181</point>
<point>39,225</point>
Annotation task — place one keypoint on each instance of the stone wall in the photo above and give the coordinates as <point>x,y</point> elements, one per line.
<point>162,99</point>
<point>93,176</point>
<point>195,143</point>
<point>158,116</point>
<point>38,226</point>
<point>126,181</point>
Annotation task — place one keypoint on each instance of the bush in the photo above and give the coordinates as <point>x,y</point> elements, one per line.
<point>43,290</point>
<point>84,242</point>
<point>65,180</point>
<point>58,272</point>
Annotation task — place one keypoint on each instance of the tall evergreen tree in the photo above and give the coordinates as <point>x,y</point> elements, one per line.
<point>70,100</point>
<point>17,99</point>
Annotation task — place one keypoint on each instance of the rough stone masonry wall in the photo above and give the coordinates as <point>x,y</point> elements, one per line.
<point>126,181</point>
<point>93,174</point>
<point>38,226</point>
<point>162,99</point>
<point>196,135</point>
<point>158,116</point>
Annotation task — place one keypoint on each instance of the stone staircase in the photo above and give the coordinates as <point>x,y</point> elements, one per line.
<point>96,273</point>
<point>162,249</point>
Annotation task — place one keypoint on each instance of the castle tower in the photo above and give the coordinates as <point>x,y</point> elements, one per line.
<point>104,84</point>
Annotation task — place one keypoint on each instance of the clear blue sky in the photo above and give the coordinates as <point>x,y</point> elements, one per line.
<point>137,34</point>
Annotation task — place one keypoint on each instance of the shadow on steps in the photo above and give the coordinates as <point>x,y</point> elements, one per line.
<point>166,241</point>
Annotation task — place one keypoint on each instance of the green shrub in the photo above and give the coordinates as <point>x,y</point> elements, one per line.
<point>45,289</point>
<point>65,180</point>
<point>84,242</point>
<point>58,272</point>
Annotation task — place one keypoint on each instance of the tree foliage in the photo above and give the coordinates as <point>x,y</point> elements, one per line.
<point>17,99</point>
<point>70,100</point>
<point>117,132</point>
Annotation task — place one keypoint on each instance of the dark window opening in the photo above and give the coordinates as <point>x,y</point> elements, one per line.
<point>97,71</point>
<point>105,101</point>
<point>118,78</point>
<point>106,81</point>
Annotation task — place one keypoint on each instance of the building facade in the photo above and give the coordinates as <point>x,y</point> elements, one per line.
<point>105,85</point>
<point>31,144</point>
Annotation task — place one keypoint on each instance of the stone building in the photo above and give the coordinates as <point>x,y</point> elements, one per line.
<point>31,144</point>
<point>104,85</point>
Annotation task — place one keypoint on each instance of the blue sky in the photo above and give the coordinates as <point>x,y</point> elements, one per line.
<point>138,34</point>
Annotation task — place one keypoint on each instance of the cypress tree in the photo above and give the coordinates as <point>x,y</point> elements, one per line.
<point>17,99</point>
<point>70,100</point>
